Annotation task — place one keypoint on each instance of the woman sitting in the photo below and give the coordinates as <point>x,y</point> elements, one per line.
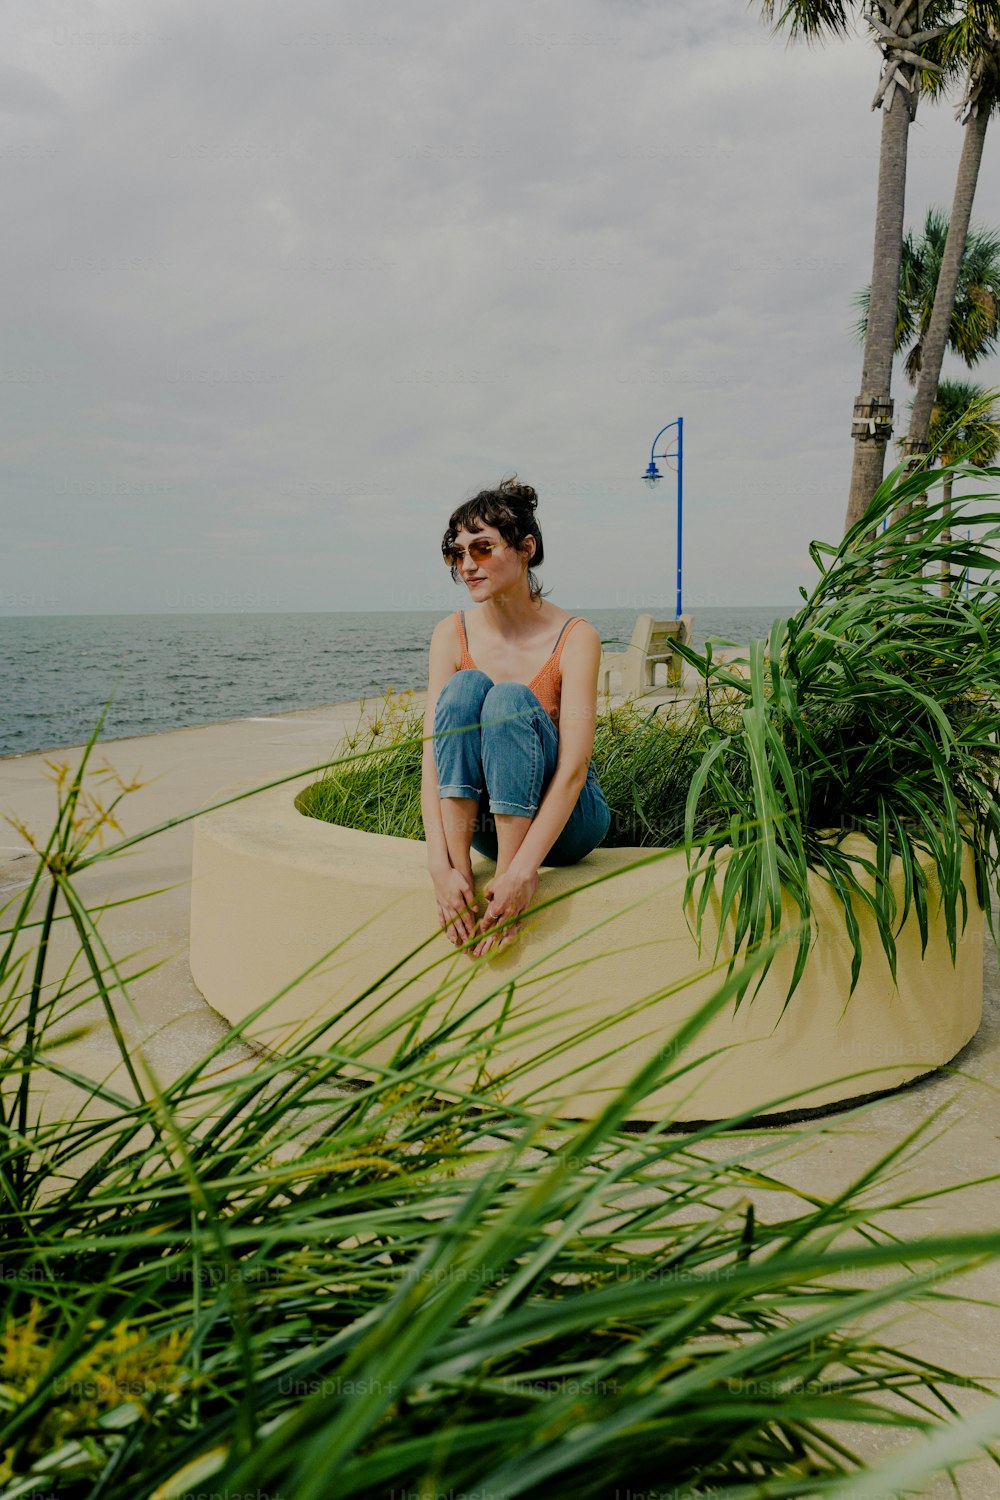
<point>512,703</point>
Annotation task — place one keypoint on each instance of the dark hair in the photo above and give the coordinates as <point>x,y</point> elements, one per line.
<point>510,508</point>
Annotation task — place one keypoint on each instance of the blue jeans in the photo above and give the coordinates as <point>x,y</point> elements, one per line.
<point>507,765</point>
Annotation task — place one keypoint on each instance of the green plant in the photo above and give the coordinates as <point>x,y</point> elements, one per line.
<point>379,791</point>
<point>333,1292</point>
<point>873,711</point>
<point>644,760</point>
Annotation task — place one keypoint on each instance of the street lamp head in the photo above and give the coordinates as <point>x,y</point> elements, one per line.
<point>652,475</point>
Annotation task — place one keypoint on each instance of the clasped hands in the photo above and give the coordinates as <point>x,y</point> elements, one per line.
<point>506,897</point>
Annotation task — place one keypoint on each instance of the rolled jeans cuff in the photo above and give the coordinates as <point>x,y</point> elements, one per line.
<point>456,789</point>
<point>513,808</point>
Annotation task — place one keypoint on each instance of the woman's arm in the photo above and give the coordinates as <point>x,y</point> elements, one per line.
<point>430,808</point>
<point>440,668</point>
<point>454,889</point>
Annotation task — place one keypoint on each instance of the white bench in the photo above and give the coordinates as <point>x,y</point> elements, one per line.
<point>651,643</point>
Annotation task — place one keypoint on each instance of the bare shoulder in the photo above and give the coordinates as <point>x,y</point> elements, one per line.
<point>581,659</point>
<point>445,647</point>
<point>583,639</point>
<point>444,630</point>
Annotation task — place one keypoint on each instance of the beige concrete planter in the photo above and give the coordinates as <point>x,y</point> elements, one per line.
<point>608,974</point>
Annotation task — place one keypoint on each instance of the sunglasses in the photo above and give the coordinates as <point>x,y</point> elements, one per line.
<point>478,551</point>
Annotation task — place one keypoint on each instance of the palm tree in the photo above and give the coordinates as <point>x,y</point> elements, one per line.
<point>972,333</point>
<point>964,426</point>
<point>975,317</point>
<point>920,45</point>
<point>980,45</point>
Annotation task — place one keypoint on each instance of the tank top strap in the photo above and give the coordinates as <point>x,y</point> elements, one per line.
<point>466,659</point>
<point>560,639</point>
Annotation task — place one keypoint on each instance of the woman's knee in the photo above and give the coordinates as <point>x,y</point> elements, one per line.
<point>510,692</point>
<point>508,699</point>
<point>464,692</point>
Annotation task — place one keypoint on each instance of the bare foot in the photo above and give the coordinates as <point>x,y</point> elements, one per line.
<point>493,941</point>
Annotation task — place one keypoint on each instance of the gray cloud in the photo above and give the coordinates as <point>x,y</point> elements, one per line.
<point>285,284</point>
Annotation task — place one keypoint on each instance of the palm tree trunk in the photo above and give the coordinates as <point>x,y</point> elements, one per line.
<point>872,425</point>
<point>936,338</point>
<point>946,537</point>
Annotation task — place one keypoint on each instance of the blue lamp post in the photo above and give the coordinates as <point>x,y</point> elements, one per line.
<point>653,476</point>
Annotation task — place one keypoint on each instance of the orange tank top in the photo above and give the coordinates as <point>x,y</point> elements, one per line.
<point>547,681</point>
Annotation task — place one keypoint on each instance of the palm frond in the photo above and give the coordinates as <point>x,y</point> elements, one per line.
<point>975,321</point>
<point>807,19</point>
<point>965,423</point>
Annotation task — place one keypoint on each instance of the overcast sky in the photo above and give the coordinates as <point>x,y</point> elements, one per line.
<point>287,282</point>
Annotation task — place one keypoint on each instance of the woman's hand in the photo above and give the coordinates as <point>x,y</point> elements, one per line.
<point>507,896</point>
<point>454,891</point>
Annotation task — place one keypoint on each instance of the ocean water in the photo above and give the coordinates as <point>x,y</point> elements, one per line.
<point>167,671</point>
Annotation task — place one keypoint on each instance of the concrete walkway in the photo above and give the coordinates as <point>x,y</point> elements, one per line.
<point>186,769</point>
<point>181,770</point>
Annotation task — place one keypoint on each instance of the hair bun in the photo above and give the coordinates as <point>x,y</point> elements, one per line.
<point>516,493</point>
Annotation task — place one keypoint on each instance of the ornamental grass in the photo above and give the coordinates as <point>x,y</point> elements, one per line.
<point>272,1280</point>
<point>871,711</point>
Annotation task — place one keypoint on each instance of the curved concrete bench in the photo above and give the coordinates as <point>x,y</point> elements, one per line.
<point>604,977</point>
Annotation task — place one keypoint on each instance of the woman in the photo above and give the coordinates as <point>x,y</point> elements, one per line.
<point>506,780</point>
